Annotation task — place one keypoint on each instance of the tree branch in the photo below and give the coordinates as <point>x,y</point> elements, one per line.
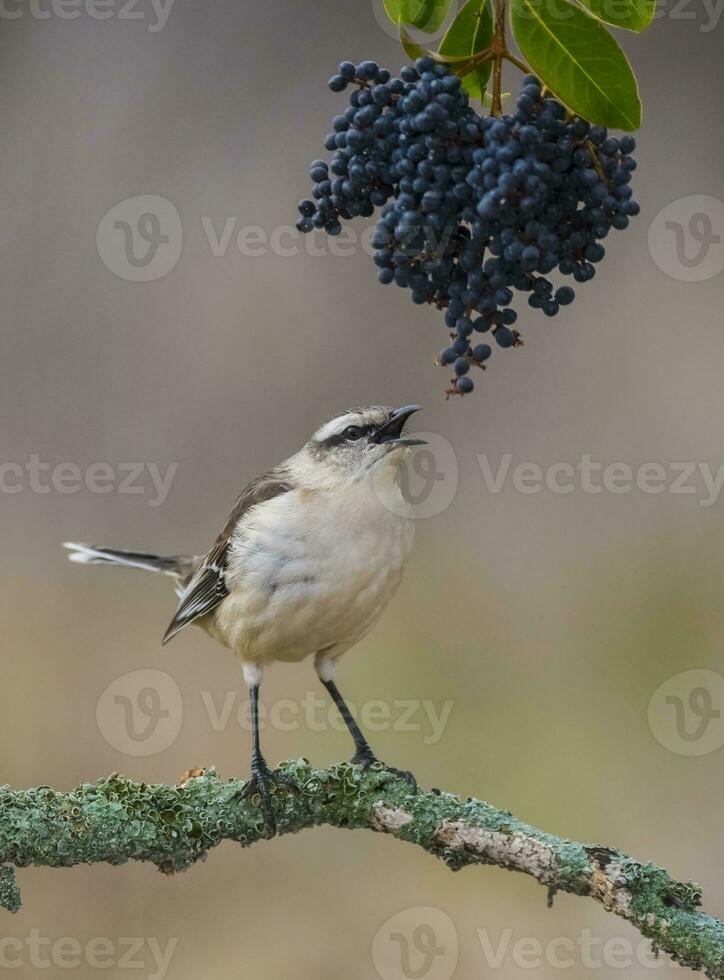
<point>117,820</point>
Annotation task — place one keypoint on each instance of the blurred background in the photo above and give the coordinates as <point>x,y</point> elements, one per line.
<point>524,656</point>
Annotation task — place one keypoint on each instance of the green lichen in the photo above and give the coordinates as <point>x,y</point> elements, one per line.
<point>9,891</point>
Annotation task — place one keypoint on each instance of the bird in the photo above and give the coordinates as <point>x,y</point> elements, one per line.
<point>309,557</point>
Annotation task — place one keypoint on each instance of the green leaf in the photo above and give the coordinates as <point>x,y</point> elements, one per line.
<point>632,15</point>
<point>459,63</point>
<point>579,61</point>
<point>431,15</point>
<point>412,49</point>
<point>470,33</point>
<point>425,15</point>
<point>393,10</point>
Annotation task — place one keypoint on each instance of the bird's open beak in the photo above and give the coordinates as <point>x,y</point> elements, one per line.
<point>391,431</point>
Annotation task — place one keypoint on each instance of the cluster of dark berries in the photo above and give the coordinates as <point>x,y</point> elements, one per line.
<point>474,208</point>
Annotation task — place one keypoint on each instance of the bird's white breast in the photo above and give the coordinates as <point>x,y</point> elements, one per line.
<point>313,570</point>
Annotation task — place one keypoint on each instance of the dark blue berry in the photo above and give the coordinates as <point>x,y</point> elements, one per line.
<point>368,70</point>
<point>504,337</point>
<point>564,295</point>
<point>482,352</point>
<point>448,355</point>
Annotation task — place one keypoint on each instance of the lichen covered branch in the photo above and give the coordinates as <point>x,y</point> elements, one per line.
<point>117,820</point>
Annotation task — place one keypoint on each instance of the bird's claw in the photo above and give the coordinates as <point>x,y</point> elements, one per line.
<point>263,784</point>
<point>368,759</point>
<point>404,774</point>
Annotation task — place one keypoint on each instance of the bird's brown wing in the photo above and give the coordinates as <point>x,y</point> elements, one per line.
<point>207,587</point>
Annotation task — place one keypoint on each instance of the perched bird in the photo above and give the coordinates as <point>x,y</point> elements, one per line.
<point>308,559</point>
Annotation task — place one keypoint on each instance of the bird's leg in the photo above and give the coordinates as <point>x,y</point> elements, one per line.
<point>262,777</point>
<point>260,772</point>
<point>363,755</point>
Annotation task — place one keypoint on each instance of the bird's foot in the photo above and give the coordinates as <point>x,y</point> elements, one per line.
<point>367,758</point>
<point>263,785</point>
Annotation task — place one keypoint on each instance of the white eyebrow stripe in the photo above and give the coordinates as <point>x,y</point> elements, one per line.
<point>338,425</point>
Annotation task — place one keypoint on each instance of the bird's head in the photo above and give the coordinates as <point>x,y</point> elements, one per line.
<point>360,442</point>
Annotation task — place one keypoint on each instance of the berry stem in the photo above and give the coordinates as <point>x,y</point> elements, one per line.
<point>521,65</point>
<point>499,47</point>
<point>497,53</point>
<point>591,147</point>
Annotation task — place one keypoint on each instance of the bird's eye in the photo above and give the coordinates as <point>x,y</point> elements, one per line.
<point>353,432</point>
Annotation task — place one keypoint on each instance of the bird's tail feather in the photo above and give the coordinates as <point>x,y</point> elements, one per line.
<point>178,566</point>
